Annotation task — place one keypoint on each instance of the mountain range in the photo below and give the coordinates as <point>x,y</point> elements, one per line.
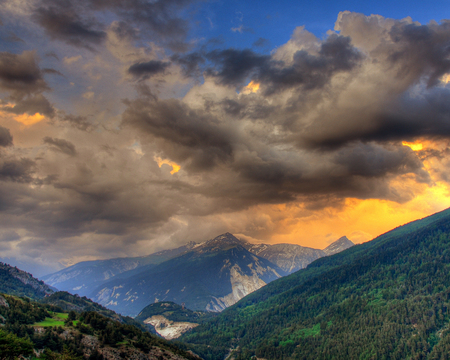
<point>205,276</point>
<point>385,299</point>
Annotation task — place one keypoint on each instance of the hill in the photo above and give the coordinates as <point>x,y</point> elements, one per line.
<point>33,329</point>
<point>14,281</point>
<point>388,298</point>
<point>170,320</point>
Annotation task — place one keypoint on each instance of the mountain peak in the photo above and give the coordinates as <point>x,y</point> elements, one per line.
<point>339,245</point>
<point>223,241</point>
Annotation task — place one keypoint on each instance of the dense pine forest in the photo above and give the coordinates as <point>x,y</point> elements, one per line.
<point>386,299</point>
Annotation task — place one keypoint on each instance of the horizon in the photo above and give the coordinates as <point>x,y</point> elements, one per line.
<point>130,129</point>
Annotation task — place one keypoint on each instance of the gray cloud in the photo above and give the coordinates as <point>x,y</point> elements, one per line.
<point>194,134</point>
<point>336,54</point>
<point>74,22</point>
<point>62,21</point>
<point>21,73</point>
<point>17,170</point>
<point>148,69</point>
<point>326,124</point>
<point>21,76</point>
<point>61,145</point>
<point>6,138</point>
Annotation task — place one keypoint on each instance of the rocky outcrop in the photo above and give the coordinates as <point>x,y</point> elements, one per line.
<point>169,329</point>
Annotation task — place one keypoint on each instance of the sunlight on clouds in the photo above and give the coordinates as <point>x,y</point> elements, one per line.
<point>252,87</point>
<point>29,120</point>
<point>414,146</point>
<point>175,166</point>
<point>375,216</point>
<point>446,78</point>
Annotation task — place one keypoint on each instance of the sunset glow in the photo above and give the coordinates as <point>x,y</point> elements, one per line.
<point>252,87</point>
<point>143,125</point>
<point>161,162</point>
<point>413,146</point>
<point>29,120</point>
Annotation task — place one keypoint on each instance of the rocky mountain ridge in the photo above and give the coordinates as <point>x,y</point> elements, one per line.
<point>212,276</point>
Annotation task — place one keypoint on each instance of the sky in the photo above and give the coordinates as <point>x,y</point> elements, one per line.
<point>128,127</point>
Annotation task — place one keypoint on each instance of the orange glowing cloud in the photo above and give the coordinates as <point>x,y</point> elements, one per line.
<point>446,78</point>
<point>29,120</point>
<point>416,146</point>
<point>252,87</point>
<point>175,166</point>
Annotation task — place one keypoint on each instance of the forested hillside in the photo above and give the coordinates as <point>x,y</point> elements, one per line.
<point>43,331</point>
<point>389,298</point>
<point>20,283</point>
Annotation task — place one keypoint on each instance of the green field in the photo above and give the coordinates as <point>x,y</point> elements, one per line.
<point>57,319</point>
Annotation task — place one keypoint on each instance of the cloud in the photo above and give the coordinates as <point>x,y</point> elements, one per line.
<point>81,24</point>
<point>322,130</point>
<point>336,54</point>
<point>148,69</point>
<point>21,73</point>
<point>62,21</point>
<point>17,170</point>
<point>193,134</point>
<point>261,42</point>
<point>5,137</point>
<point>61,145</point>
<point>21,76</point>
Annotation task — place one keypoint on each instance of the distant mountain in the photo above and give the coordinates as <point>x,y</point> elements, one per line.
<point>385,299</point>
<point>82,278</point>
<point>339,245</point>
<point>14,281</point>
<point>291,257</point>
<point>171,320</point>
<point>211,276</point>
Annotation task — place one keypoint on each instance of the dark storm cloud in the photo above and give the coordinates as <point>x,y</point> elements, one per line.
<point>160,16</point>
<point>6,138</point>
<point>33,104</point>
<point>374,161</point>
<point>75,23</point>
<point>21,73</point>
<point>61,145</point>
<point>62,21</point>
<point>194,134</point>
<point>422,49</point>
<point>21,76</point>
<point>406,119</point>
<point>336,54</point>
<point>148,69</point>
<point>190,63</point>
<point>17,170</point>
<point>234,67</point>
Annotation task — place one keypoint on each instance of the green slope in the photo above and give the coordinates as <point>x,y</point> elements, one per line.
<point>16,282</point>
<point>386,299</point>
<point>27,325</point>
